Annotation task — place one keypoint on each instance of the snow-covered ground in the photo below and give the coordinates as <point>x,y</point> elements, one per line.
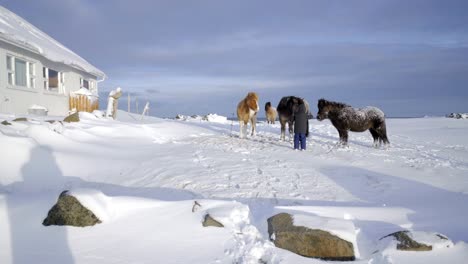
<point>142,178</point>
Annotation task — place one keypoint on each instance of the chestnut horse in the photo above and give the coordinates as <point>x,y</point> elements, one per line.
<point>346,118</point>
<point>247,111</point>
<point>270,113</point>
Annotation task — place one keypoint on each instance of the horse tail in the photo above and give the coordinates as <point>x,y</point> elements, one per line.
<point>383,133</point>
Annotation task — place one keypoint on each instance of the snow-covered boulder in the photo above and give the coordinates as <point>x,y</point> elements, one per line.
<point>189,118</point>
<point>215,118</point>
<point>75,117</point>
<point>415,241</point>
<point>308,242</point>
<point>458,115</point>
<point>20,119</point>
<point>69,211</point>
<point>210,221</point>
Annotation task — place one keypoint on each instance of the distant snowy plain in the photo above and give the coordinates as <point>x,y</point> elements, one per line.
<point>142,178</point>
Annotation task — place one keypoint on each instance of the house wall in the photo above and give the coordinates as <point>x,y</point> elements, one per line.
<point>17,100</point>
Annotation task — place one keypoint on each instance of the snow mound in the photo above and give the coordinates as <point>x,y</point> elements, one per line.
<point>38,107</point>
<point>458,115</point>
<point>232,215</point>
<point>189,118</point>
<point>443,250</point>
<point>213,118</point>
<point>247,245</point>
<point>394,215</point>
<point>83,91</point>
<point>16,30</point>
<point>111,208</point>
<point>437,241</point>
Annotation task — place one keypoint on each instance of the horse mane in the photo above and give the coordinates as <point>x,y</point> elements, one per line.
<point>322,103</point>
<point>252,96</point>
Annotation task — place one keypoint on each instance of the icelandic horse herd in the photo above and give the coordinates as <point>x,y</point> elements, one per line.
<point>342,116</point>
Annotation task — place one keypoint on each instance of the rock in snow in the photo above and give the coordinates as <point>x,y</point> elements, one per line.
<point>308,242</point>
<point>418,241</point>
<point>69,211</point>
<point>210,221</point>
<point>75,117</point>
<point>458,115</point>
<point>20,119</point>
<point>213,118</point>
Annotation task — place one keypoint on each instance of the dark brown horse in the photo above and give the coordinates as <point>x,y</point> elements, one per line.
<point>286,107</point>
<point>346,118</point>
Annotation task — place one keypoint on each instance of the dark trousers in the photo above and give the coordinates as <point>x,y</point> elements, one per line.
<point>299,137</point>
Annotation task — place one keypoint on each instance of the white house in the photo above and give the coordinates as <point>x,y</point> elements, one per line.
<point>36,71</point>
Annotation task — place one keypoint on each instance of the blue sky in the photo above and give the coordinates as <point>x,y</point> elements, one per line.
<point>409,58</point>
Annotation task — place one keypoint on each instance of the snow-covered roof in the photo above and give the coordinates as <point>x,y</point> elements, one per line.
<point>17,31</point>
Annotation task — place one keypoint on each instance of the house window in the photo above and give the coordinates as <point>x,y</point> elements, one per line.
<point>11,74</point>
<point>54,81</point>
<point>84,83</point>
<point>20,72</point>
<point>32,75</point>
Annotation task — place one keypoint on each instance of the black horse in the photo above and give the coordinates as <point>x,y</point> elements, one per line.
<point>344,118</point>
<point>286,107</point>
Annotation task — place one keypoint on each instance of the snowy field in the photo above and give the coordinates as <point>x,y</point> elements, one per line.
<point>141,179</point>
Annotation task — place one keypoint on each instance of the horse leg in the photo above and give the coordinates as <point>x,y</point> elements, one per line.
<point>253,121</point>
<point>290,128</point>
<point>375,136</point>
<point>252,127</point>
<point>241,126</point>
<point>343,136</point>
<point>340,134</point>
<point>283,129</point>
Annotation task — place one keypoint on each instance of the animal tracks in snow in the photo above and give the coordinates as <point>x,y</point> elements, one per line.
<point>263,167</point>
